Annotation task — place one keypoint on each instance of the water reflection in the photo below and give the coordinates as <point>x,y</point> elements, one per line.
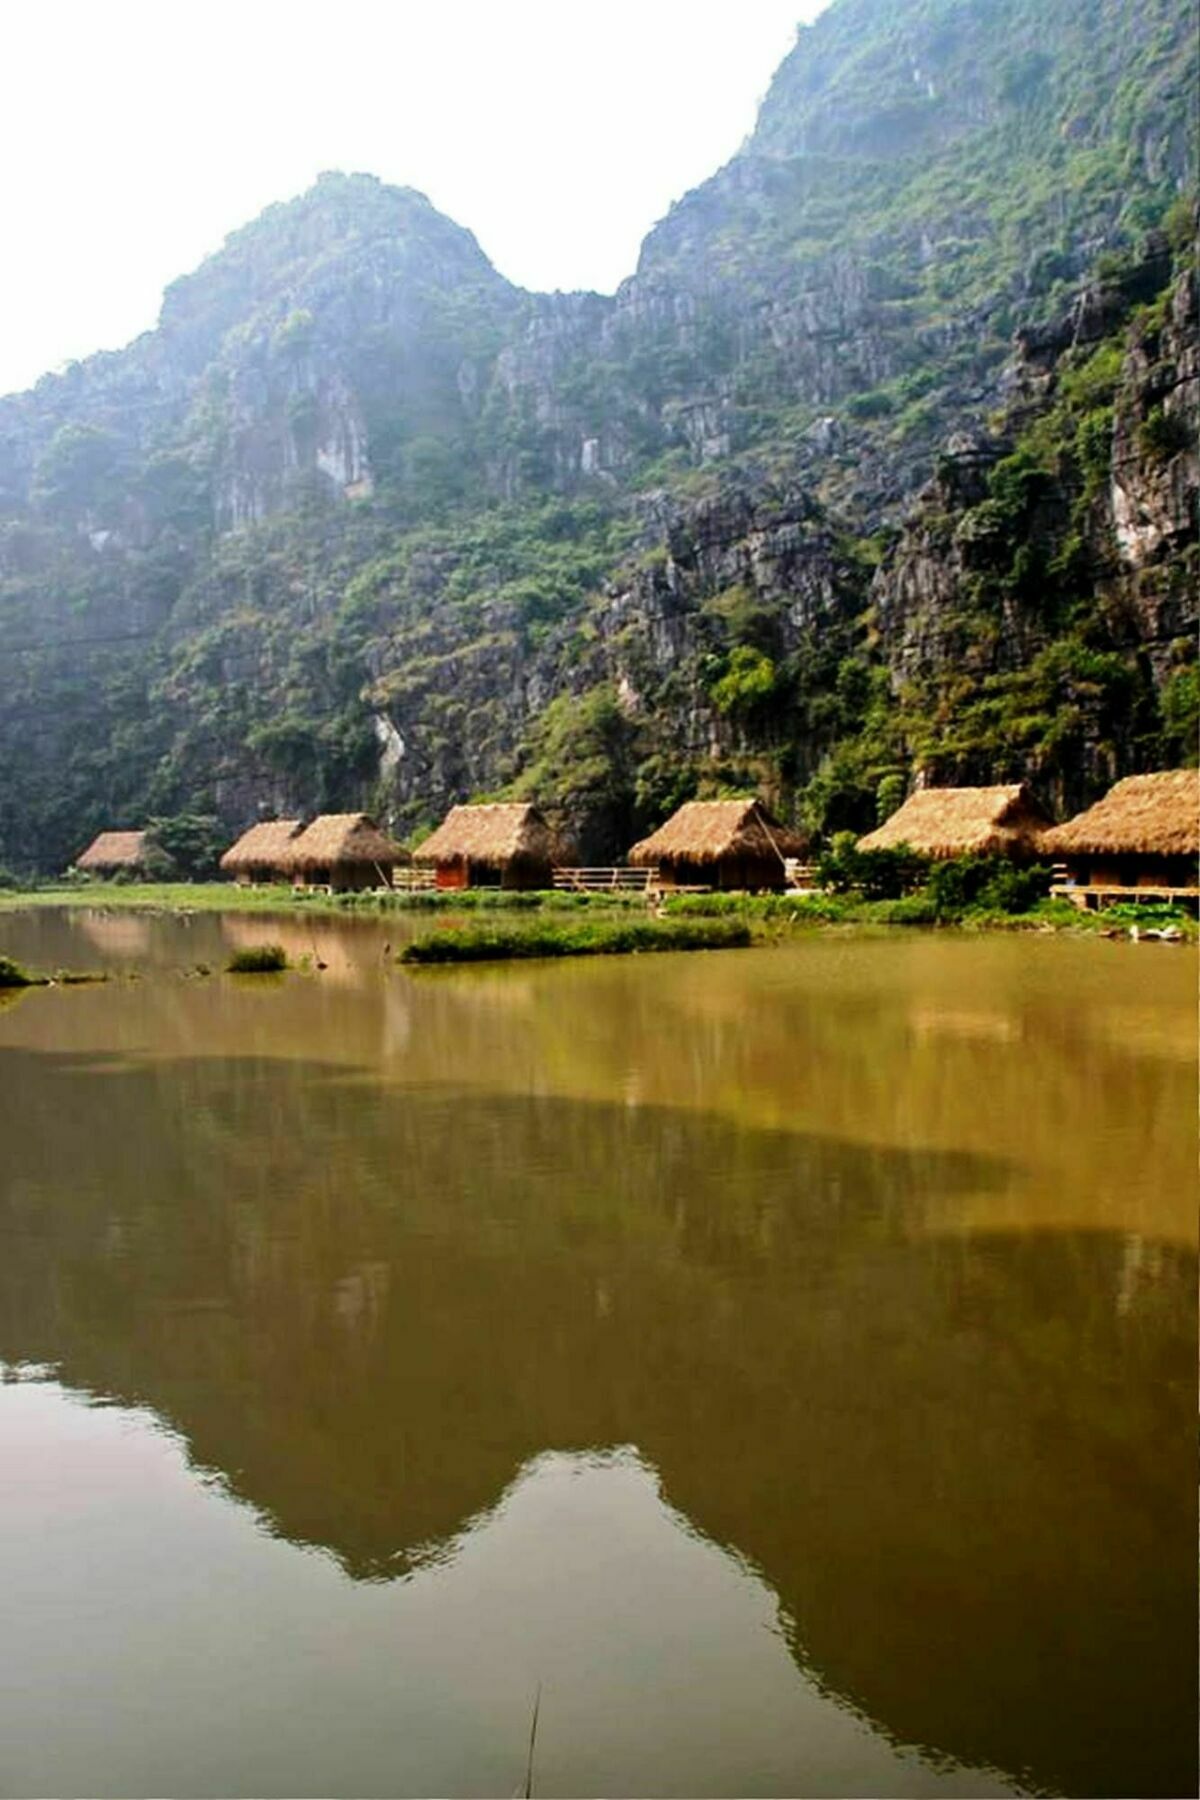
<point>659,1656</point>
<point>959,1459</point>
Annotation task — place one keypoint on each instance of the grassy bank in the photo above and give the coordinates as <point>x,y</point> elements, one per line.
<point>13,976</point>
<point>759,910</point>
<point>499,943</point>
<point>227,896</point>
<point>923,909</point>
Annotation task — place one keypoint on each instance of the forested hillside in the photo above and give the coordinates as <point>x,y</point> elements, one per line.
<point>881,465</point>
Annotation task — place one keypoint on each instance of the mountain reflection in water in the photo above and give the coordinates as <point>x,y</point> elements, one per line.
<point>952,1466</point>
<point>655,1652</point>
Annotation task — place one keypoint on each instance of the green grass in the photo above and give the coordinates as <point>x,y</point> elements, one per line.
<point>498,943</point>
<point>258,959</point>
<point>773,910</point>
<point>227,896</point>
<point>488,900</point>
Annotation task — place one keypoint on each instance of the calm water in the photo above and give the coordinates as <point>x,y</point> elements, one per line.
<point>785,1359</point>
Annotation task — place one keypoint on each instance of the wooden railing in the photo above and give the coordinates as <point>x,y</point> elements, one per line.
<point>598,881</point>
<point>1092,896</point>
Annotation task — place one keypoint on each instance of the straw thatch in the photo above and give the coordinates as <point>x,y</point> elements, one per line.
<point>264,846</point>
<point>113,850</point>
<point>705,832</point>
<point>1144,815</point>
<point>342,840</point>
<point>499,835</point>
<point>967,821</point>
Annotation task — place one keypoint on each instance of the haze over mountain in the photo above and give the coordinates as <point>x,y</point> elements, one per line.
<point>880,466</point>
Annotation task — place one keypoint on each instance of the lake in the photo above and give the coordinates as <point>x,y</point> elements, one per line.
<point>777,1367</point>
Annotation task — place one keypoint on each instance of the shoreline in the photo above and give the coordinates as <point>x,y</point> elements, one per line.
<point>772,915</point>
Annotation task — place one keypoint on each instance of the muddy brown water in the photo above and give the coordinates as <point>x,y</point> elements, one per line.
<point>782,1359</point>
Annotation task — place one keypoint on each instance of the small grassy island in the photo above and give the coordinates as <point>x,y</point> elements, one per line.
<point>498,943</point>
<point>258,959</point>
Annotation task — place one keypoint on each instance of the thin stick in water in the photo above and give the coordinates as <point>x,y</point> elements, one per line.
<point>537,1702</point>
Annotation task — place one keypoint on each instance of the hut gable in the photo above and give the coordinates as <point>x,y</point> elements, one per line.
<point>1144,815</point>
<point>966,821</point>
<point>342,840</point>
<point>114,850</point>
<point>493,835</point>
<point>706,832</point>
<point>264,846</point>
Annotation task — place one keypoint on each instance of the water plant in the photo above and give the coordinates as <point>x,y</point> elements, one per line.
<point>13,975</point>
<point>258,959</point>
<point>497,943</point>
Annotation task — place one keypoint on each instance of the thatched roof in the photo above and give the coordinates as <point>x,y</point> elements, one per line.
<point>262,847</point>
<point>114,850</point>
<point>1148,815</point>
<point>496,835</point>
<point>335,839</point>
<point>966,821</point>
<point>706,831</point>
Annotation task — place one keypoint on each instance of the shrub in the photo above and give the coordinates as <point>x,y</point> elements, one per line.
<point>258,959</point>
<point>985,883</point>
<point>749,680</point>
<point>875,874</point>
<point>1162,435</point>
<point>12,975</point>
<point>496,943</point>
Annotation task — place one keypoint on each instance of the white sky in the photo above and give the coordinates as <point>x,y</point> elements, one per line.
<point>135,134</point>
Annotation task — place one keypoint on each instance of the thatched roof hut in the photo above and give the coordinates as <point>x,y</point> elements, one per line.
<point>501,844</point>
<point>112,851</point>
<point>343,850</point>
<point>1145,833</point>
<point>965,821</point>
<point>1144,815</point>
<point>720,843</point>
<point>260,854</point>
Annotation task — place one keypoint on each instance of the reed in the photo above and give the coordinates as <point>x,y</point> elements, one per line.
<point>498,943</point>
<point>258,959</point>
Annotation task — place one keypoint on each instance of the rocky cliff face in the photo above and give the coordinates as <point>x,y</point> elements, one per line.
<point>1072,525</point>
<point>359,520</point>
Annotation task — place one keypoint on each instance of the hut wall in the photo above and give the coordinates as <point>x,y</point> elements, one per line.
<point>517,873</point>
<point>731,874</point>
<point>750,874</point>
<point>523,874</point>
<point>260,875</point>
<point>352,877</point>
<point>1132,871</point>
<point>342,878</point>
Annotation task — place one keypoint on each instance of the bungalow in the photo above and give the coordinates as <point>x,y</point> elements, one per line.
<point>505,844</point>
<point>260,854</point>
<point>966,821</point>
<point>722,844</point>
<point>342,851</point>
<point>116,852</point>
<point>1143,838</point>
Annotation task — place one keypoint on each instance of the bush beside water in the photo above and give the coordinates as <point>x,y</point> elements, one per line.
<point>12,975</point>
<point>258,959</point>
<point>490,900</point>
<point>498,943</point>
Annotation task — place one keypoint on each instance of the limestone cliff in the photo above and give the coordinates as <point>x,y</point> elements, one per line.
<point>360,522</point>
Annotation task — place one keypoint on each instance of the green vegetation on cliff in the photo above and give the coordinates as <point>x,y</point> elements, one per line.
<point>360,524</point>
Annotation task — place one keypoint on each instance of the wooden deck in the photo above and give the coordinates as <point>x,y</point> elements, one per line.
<point>1092,897</point>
